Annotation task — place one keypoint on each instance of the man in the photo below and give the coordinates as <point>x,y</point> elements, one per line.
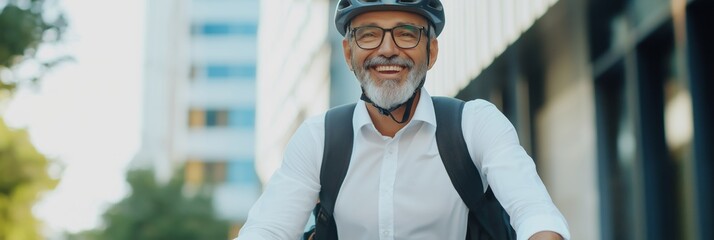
<point>396,186</point>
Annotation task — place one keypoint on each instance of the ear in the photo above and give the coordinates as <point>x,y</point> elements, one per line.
<point>433,52</point>
<point>347,51</point>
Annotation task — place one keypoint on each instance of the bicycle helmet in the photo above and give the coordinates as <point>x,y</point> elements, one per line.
<point>432,10</point>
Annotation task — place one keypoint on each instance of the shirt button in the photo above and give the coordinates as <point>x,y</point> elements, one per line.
<point>385,233</point>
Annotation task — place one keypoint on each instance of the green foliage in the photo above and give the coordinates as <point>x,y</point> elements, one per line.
<point>22,30</point>
<point>23,176</point>
<point>158,211</point>
<point>23,170</point>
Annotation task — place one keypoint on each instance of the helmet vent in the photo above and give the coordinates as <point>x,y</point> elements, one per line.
<point>344,4</point>
<point>435,5</point>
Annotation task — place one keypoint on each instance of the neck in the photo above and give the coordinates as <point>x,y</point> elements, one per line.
<point>385,124</point>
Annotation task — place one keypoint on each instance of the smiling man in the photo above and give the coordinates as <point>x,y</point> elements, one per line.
<point>395,183</point>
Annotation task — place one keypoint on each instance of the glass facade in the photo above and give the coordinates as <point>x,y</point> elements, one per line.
<point>619,90</point>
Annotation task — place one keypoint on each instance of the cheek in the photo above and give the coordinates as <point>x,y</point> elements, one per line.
<point>422,59</point>
<point>357,59</point>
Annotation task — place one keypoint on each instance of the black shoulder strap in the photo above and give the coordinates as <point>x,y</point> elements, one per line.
<point>487,218</point>
<point>454,153</point>
<point>335,162</point>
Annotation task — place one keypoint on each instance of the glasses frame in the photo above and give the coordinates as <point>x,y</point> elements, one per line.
<point>384,33</point>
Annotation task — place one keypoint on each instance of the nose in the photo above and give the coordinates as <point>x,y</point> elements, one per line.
<point>388,48</point>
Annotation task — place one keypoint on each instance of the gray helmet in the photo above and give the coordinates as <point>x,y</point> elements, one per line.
<point>432,10</point>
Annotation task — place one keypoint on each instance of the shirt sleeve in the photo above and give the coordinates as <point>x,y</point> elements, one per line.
<point>283,209</point>
<point>504,165</point>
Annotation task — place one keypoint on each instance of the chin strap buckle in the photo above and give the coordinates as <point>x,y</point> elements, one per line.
<point>383,111</point>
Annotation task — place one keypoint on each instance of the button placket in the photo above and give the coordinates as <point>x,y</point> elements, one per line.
<point>386,187</point>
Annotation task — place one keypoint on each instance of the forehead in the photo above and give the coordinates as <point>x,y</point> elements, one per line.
<point>388,19</point>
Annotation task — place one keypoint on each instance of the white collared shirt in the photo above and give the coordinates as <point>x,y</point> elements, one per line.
<point>397,188</point>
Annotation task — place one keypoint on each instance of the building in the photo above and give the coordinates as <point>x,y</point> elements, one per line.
<point>200,98</point>
<point>167,64</point>
<point>610,99</point>
<point>293,74</point>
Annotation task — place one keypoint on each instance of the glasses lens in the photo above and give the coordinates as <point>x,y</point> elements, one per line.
<point>406,36</point>
<point>368,37</point>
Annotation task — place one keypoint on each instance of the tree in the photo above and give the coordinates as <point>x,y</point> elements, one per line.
<point>23,170</point>
<point>23,176</point>
<point>159,211</point>
<point>23,27</point>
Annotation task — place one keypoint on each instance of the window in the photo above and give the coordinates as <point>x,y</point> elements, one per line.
<point>700,58</point>
<point>223,29</point>
<point>242,171</point>
<point>661,93</point>
<point>231,71</point>
<point>215,172</point>
<point>216,118</point>
<point>242,118</point>
<point>617,155</point>
<point>199,172</point>
<point>194,172</point>
<point>196,118</point>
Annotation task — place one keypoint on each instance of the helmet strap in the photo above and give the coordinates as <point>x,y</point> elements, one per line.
<point>388,112</point>
<point>428,48</point>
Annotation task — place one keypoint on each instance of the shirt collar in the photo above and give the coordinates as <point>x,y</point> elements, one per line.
<point>424,112</point>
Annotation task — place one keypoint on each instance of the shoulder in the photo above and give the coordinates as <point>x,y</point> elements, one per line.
<point>480,110</point>
<point>481,116</point>
<point>313,126</point>
<point>303,152</point>
<point>479,105</point>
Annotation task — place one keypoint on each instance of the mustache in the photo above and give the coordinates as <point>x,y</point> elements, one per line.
<point>381,60</point>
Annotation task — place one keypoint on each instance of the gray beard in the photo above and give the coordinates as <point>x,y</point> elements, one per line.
<point>389,93</point>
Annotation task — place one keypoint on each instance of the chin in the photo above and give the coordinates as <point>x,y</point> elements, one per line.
<point>382,81</point>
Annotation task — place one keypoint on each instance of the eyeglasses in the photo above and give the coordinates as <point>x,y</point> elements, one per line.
<point>371,37</point>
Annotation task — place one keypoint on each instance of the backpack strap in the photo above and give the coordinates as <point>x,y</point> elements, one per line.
<point>336,156</point>
<point>487,219</point>
<point>453,151</point>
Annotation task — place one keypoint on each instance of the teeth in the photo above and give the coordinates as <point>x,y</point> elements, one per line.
<point>389,68</point>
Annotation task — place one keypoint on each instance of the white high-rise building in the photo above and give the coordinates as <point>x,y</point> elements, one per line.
<point>200,101</point>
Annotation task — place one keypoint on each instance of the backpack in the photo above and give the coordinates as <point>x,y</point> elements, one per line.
<point>486,218</point>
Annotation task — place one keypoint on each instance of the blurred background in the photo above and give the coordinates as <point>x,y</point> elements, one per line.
<point>162,119</point>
